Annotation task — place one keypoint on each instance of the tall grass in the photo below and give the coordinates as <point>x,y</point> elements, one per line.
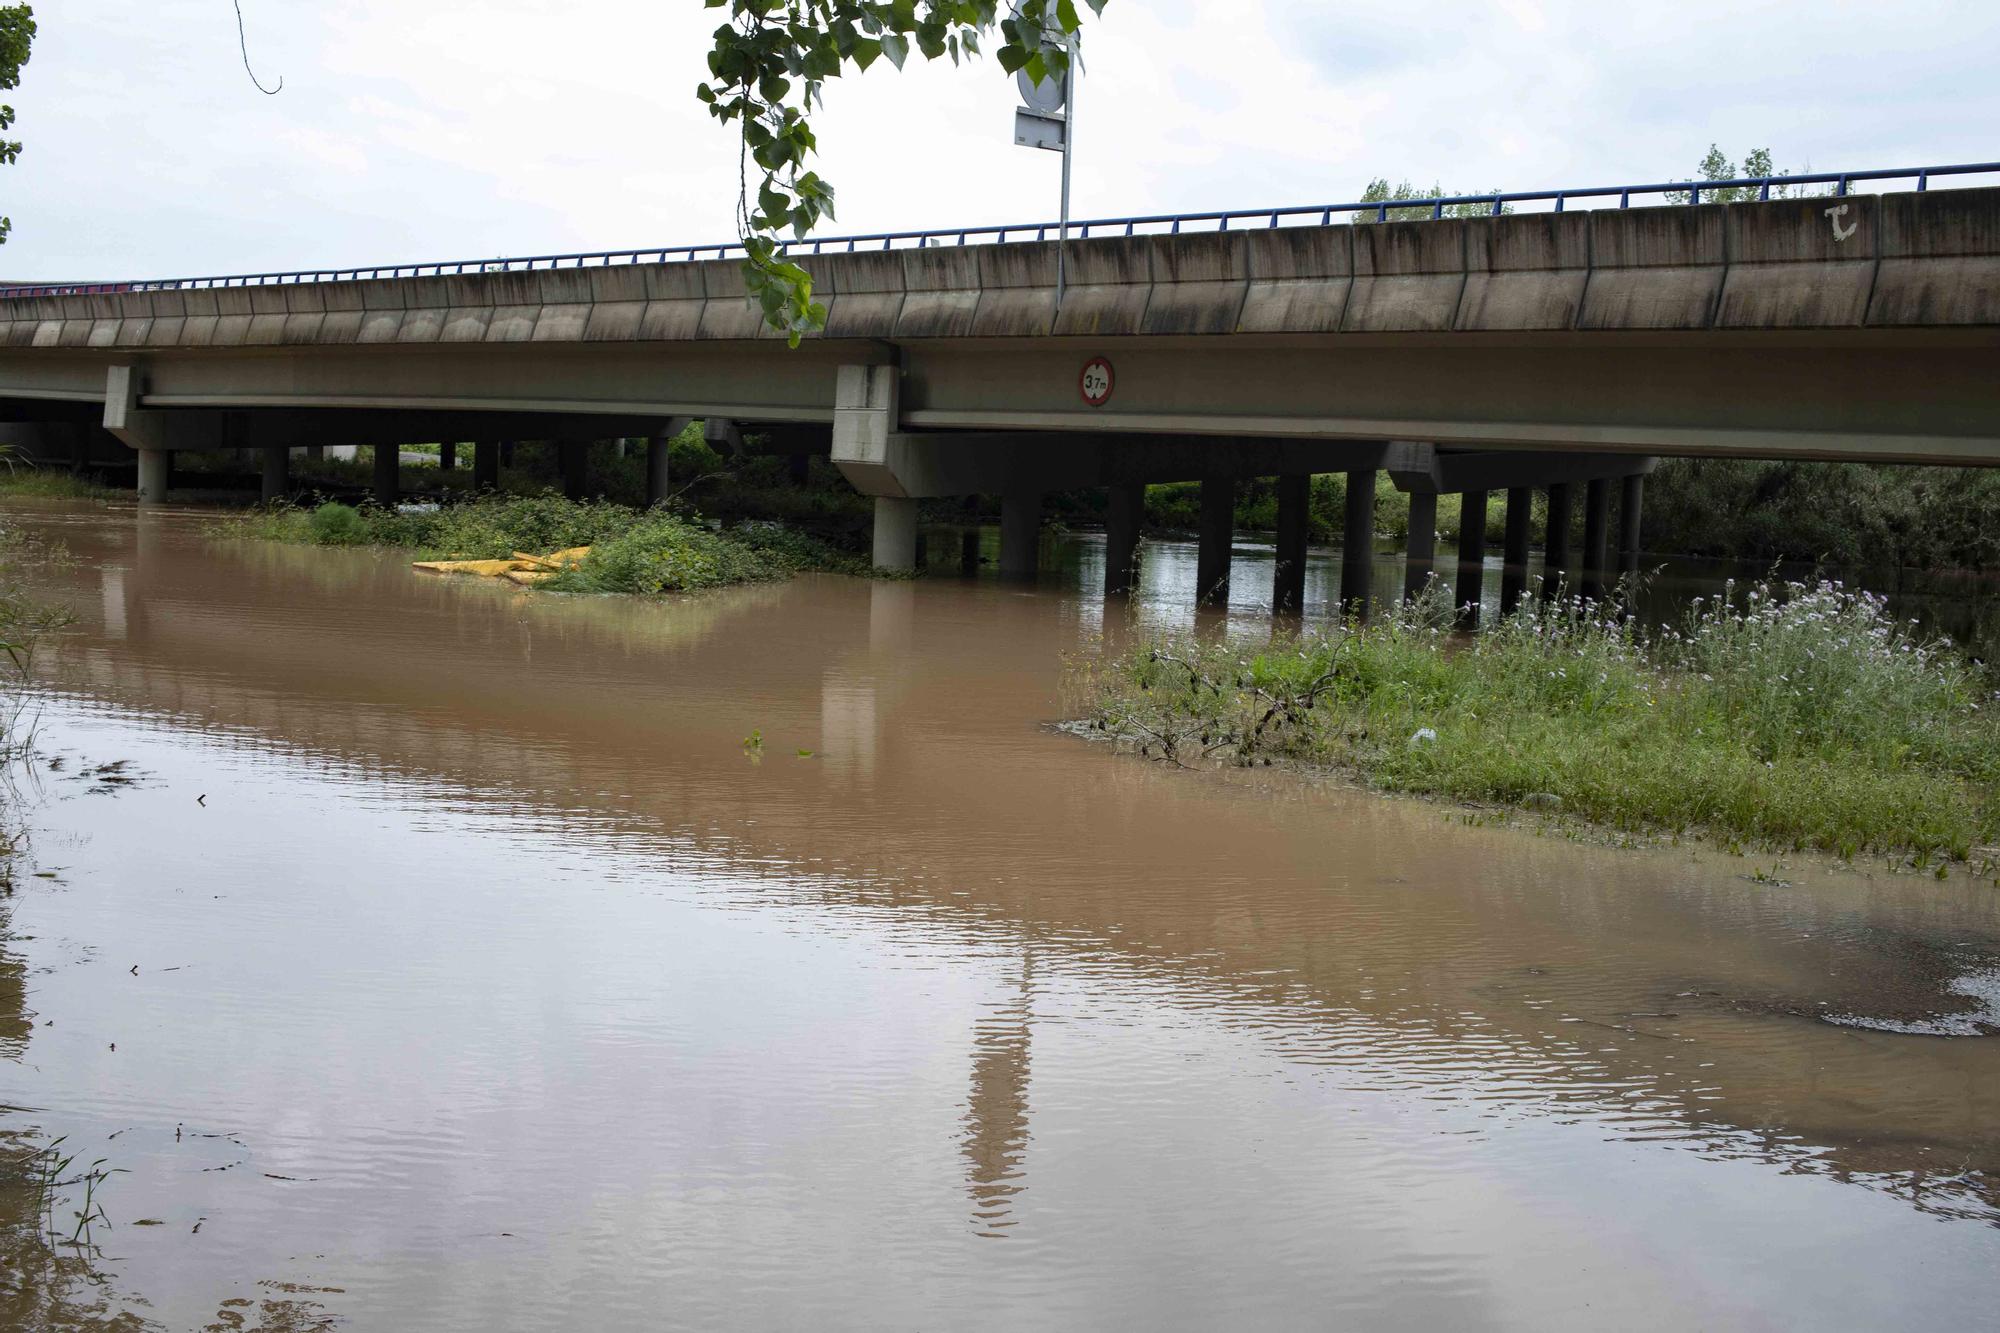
<point>1799,715</point>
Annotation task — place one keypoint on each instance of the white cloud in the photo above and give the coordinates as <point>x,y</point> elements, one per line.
<point>525,126</point>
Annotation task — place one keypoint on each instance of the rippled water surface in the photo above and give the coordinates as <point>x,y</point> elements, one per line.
<point>451,964</point>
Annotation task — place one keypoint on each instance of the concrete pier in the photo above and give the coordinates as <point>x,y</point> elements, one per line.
<point>506,453</point>
<point>657,479</point>
<point>573,456</point>
<point>1555,541</point>
<point>388,487</point>
<point>1020,534</point>
<point>968,553</point>
<point>1471,557</point>
<point>1357,543</point>
<point>155,469</point>
<point>1420,555</point>
<point>1217,533</point>
<point>1121,538</point>
<point>1514,573</point>
<point>447,456</point>
<point>895,545</point>
<point>315,453</point>
<point>486,465</point>
<point>277,472</point>
<point>1596,537</point>
<point>1288,578</point>
<point>1631,504</point>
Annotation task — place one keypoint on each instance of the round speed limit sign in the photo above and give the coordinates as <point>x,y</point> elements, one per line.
<point>1095,382</point>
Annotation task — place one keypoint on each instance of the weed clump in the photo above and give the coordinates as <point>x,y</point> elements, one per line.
<point>1796,715</point>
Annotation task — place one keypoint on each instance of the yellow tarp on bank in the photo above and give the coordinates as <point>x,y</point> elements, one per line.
<point>522,568</point>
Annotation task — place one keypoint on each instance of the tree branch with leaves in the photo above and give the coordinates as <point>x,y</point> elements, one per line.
<point>767,74</point>
<point>17,35</point>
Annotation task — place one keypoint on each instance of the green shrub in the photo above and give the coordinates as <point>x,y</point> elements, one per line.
<point>336,525</point>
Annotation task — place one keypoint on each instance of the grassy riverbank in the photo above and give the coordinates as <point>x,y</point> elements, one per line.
<point>1800,717</point>
<point>632,550</point>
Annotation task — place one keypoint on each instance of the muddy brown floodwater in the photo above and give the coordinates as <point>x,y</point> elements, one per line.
<point>449,962</point>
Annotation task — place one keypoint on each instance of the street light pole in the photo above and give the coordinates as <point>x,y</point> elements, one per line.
<point>1069,147</point>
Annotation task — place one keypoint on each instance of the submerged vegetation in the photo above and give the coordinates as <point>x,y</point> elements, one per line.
<point>631,550</point>
<point>1793,715</point>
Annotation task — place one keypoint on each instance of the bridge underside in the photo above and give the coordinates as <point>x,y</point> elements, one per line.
<point>1908,396</point>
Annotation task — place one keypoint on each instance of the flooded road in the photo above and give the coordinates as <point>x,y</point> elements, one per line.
<point>454,963</point>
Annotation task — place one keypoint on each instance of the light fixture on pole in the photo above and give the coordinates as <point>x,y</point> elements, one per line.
<point>1048,120</point>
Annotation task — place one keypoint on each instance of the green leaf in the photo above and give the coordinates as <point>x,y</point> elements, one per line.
<point>896,48</point>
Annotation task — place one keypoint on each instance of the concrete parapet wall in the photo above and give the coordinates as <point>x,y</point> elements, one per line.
<point>1408,277</point>
<point>1654,268</point>
<point>1930,259</point>
<point>1525,271</point>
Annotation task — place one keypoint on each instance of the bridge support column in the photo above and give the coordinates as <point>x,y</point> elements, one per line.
<point>1471,557</point>
<point>1596,537</point>
<point>574,457</point>
<point>447,456</point>
<point>1218,529</point>
<point>895,533</point>
<point>1421,552</point>
<point>1020,534</point>
<point>315,453</point>
<point>506,453</point>
<point>1555,542</point>
<point>1288,576</point>
<point>1121,537</point>
<point>486,465</point>
<point>968,553</point>
<point>1514,573</point>
<point>1630,503</point>
<point>388,458</point>
<point>657,478</point>
<point>277,472</point>
<point>155,470</point>
<point>1357,543</point>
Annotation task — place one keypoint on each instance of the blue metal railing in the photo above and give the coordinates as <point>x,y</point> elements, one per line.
<point>1174,223</point>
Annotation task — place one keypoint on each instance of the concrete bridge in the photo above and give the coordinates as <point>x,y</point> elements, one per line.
<point>1507,352</point>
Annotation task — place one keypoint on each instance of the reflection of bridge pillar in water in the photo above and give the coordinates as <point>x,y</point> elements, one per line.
<point>996,1109</point>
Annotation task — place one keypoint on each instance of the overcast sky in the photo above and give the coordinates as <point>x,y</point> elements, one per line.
<point>414,130</point>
